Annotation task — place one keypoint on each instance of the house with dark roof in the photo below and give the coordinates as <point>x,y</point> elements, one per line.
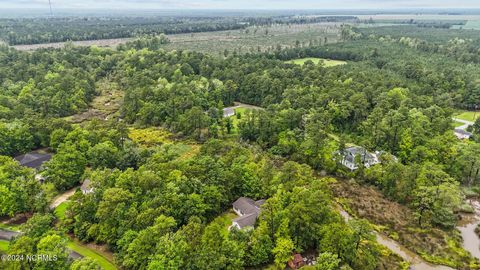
<point>33,160</point>
<point>349,154</point>
<point>462,134</point>
<point>248,211</point>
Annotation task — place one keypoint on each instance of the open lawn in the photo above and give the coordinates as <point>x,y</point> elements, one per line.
<point>4,245</point>
<point>87,252</point>
<point>326,62</point>
<point>457,124</point>
<point>468,115</point>
<point>61,209</point>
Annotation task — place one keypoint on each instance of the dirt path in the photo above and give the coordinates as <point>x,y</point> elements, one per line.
<point>62,198</point>
<point>467,226</point>
<point>238,105</point>
<point>416,262</point>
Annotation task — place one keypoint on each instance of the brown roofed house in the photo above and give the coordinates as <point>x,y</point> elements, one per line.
<point>296,262</point>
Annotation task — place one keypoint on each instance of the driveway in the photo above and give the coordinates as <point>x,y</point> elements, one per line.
<point>8,235</point>
<point>465,123</point>
<point>62,198</point>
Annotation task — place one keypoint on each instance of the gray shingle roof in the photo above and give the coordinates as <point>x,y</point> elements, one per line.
<point>246,220</point>
<point>352,152</point>
<point>463,132</point>
<point>33,159</point>
<point>250,210</point>
<point>86,185</point>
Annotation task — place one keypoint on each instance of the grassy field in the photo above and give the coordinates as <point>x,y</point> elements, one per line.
<point>4,245</point>
<point>468,115</point>
<point>471,24</point>
<point>316,61</point>
<point>87,252</point>
<point>60,210</point>
<point>149,137</point>
<point>457,124</point>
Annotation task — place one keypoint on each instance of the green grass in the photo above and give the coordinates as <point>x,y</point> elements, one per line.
<point>4,245</point>
<point>326,62</point>
<point>87,252</point>
<point>458,124</point>
<point>9,227</point>
<point>61,209</point>
<point>468,115</point>
<point>226,219</point>
<point>471,24</point>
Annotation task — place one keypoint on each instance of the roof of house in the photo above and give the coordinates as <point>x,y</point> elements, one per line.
<point>33,159</point>
<point>297,258</point>
<point>246,220</point>
<point>86,185</point>
<point>352,152</point>
<point>247,205</point>
<point>250,210</point>
<point>228,112</point>
<point>463,132</point>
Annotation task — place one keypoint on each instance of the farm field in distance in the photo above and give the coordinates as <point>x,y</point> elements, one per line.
<point>255,39</point>
<point>251,39</point>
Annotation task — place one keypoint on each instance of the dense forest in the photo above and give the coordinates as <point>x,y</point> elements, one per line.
<point>158,207</point>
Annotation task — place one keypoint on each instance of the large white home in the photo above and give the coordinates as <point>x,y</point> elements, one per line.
<point>349,154</point>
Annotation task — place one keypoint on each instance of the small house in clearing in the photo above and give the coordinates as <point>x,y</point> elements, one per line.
<point>228,112</point>
<point>462,134</point>
<point>86,187</point>
<point>349,155</point>
<point>248,211</point>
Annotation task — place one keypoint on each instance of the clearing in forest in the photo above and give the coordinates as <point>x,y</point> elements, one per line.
<point>326,62</point>
<point>104,106</point>
<point>91,253</point>
<point>468,115</point>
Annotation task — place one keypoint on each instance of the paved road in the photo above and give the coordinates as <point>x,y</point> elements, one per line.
<point>466,124</point>
<point>8,235</point>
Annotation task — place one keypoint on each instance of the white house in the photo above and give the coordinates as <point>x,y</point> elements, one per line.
<point>228,112</point>
<point>368,159</point>
<point>86,187</point>
<point>462,134</point>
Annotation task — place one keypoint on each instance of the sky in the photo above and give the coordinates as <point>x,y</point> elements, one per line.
<point>242,4</point>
